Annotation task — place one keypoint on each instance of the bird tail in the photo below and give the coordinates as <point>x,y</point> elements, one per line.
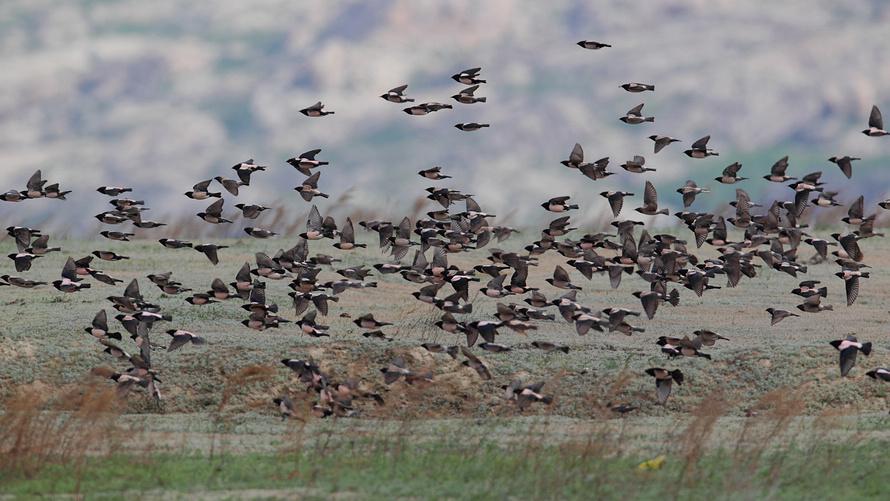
<point>866,349</point>
<point>663,211</point>
<point>409,99</point>
<point>647,169</point>
<point>650,87</point>
<point>823,291</point>
<point>481,99</point>
<point>564,349</point>
<point>484,125</point>
<point>649,119</point>
<point>828,307</point>
<point>84,286</point>
<point>481,81</point>
<point>864,274</point>
<point>704,355</point>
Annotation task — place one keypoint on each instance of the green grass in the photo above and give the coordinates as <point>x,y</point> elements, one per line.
<point>451,469</point>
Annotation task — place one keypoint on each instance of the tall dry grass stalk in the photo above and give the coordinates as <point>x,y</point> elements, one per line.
<point>41,427</point>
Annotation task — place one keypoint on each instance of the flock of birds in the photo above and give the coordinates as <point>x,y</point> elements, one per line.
<point>774,236</point>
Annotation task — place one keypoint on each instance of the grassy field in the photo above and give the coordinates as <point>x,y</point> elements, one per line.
<point>767,417</point>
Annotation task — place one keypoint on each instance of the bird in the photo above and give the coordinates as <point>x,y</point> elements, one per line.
<point>637,87</point>
<point>250,211</point>
<point>309,189</point>
<point>689,191</point>
<point>589,44</point>
<point>634,116</point>
<point>851,283</point>
<point>650,201</point>
<point>664,380</point>
<point>848,348</point>
<point>699,149</point>
<point>397,95</point>
<point>306,161</point>
<point>200,191</point>
<point>559,204</point>
<point>182,338</point>
<point>465,96</point>
<point>70,282</point>
<point>246,169</point>
<point>616,200</point>
<point>367,321</point>
<point>879,373</point>
<point>845,163</point>
<point>730,174</point>
<point>259,232</point>
<point>777,171</point>
<point>468,76</point>
<point>434,173</point>
<point>471,126</point>
<point>875,124</point>
<point>210,250</point>
<point>636,164</point>
<point>316,110</point>
<point>813,304</point>
<point>662,141</point>
<point>213,213</point>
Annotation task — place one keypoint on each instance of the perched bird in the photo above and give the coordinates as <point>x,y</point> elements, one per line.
<point>848,348</point>
<point>316,110</point>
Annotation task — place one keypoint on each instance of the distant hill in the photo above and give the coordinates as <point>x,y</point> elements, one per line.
<point>162,94</point>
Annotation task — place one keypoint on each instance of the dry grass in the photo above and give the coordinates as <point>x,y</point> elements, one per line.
<point>41,426</point>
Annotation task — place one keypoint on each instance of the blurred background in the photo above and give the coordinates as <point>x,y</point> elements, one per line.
<point>159,95</point>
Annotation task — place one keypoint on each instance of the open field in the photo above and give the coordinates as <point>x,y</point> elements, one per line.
<point>217,434</point>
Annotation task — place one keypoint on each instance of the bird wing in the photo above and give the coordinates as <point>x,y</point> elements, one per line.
<point>701,144</point>
<point>663,389</point>
<point>347,233</point>
<point>398,90</point>
<point>35,182</point>
<point>215,209</point>
<point>848,360</point>
<point>68,271</point>
<point>636,110</point>
<point>778,168</point>
<point>559,274</point>
<point>314,222</point>
<point>874,119</point>
<point>852,286</point>
<point>856,208</point>
<point>577,155</point>
<point>650,196</point>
